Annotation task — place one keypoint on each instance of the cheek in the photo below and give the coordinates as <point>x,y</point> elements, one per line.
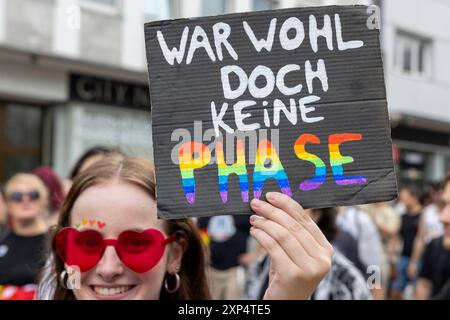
<point>15,210</point>
<point>445,217</point>
<point>11,206</point>
<point>152,281</point>
<point>40,204</point>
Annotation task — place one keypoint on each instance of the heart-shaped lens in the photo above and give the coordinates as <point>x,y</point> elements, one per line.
<point>141,251</point>
<point>80,248</point>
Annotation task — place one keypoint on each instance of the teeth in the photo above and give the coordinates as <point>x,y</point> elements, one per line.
<point>111,291</point>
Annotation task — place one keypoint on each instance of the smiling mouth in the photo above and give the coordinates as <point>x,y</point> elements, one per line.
<point>111,291</point>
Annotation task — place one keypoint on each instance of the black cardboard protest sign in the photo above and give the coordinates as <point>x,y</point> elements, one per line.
<point>288,100</point>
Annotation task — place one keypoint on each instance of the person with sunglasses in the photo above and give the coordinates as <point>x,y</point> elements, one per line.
<point>22,247</point>
<point>109,243</point>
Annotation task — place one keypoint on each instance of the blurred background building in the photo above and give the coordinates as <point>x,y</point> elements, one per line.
<point>73,75</point>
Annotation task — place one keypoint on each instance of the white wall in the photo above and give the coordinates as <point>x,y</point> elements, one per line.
<point>31,82</point>
<point>66,28</point>
<point>191,8</point>
<point>243,5</point>
<point>133,49</point>
<point>2,20</point>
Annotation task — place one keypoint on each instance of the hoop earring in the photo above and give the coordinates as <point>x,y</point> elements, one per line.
<point>177,283</point>
<point>62,280</point>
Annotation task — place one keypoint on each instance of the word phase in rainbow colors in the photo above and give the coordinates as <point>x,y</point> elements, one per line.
<point>194,155</point>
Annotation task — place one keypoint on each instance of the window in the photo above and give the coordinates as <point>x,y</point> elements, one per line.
<point>20,139</point>
<point>412,54</point>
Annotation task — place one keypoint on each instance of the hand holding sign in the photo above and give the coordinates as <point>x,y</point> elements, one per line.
<point>300,254</point>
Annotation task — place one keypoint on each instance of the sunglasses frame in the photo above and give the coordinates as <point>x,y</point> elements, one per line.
<point>32,195</point>
<point>111,242</point>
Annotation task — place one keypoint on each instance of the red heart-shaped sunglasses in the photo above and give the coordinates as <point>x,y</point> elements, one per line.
<point>139,251</point>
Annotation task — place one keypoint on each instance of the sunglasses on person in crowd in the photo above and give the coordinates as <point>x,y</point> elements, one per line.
<point>19,196</point>
<point>139,251</point>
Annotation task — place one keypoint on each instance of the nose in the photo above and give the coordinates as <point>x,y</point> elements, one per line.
<point>26,201</point>
<point>110,266</point>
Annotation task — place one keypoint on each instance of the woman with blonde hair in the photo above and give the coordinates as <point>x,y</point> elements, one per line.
<point>21,249</point>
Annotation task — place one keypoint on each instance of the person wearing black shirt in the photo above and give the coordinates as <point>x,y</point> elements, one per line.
<point>409,227</point>
<point>21,248</point>
<point>20,258</point>
<point>228,242</point>
<point>434,276</point>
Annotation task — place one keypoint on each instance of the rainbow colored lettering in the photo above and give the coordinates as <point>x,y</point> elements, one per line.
<point>266,151</point>
<point>191,156</point>
<point>337,160</point>
<point>196,155</point>
<point>225,170</point>
<point>321,170</point>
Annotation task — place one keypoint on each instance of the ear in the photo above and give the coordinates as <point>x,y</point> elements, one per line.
<point>177,250</point>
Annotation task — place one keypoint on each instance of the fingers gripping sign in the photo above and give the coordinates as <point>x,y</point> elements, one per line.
<point>300,254</point>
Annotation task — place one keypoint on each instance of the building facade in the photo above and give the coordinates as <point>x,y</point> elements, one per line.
<point>73,75</point>
<point>416,47</point>
<point>416,44</point>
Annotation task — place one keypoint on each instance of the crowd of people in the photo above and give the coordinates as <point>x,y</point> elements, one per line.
<point>398,250</point>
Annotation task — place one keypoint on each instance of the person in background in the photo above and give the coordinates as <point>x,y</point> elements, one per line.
<point>343,282</point>
<point>228,242</point>
<point>410,196</point>
<point>360,242</point>
<point>387,221</point>
<point>55,192</point>
<point>434,276</point>
<point>22,248</point>
<point>430,227</point>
